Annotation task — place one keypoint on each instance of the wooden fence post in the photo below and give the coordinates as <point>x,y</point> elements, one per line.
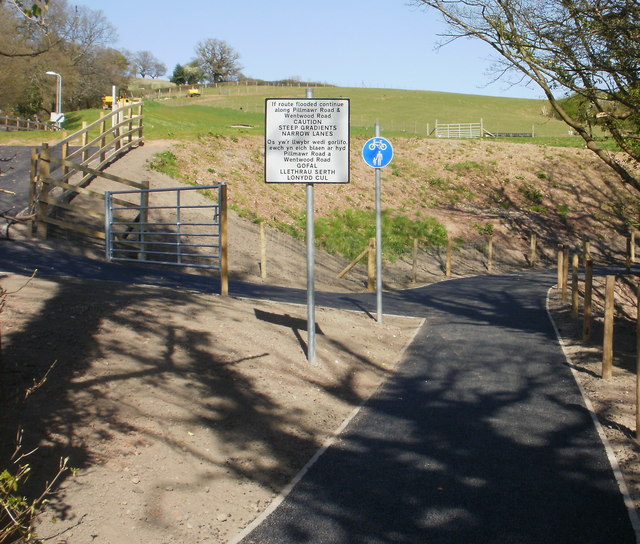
<point>588,302</point>
<point>447,270</point>
<point>414,271</point>
<point>103,139</point>
<point>587,251</point>
<point>115,124</point>
<point>140,124</point>
<point>371,265</point>
<point>44,169</point>
<point>607,345</point>
<point>130,125</point>
<point>33,180</point>
<point>490,264</point>
<point>565,275</point>
<point>85,142</point>
<point>560,265</point>
<point>534,250</point>
<point>575,295</point>
<point>263,251</point>
<point>224,242</point>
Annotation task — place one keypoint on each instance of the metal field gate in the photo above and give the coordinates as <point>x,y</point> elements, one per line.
<point>174,227</point>
<point>459,130</point>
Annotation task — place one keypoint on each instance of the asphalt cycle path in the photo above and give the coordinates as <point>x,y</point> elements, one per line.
<point>480,436</point>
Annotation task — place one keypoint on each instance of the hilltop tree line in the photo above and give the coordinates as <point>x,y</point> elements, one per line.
<point>587,50</point>
<point>74,41</point>
<point>215,62</point>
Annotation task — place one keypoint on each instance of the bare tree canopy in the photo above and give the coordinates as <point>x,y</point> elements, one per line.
<point>218,60</point>
<point>586,48</point>
<point>147,65</point>
<point>74,42</point>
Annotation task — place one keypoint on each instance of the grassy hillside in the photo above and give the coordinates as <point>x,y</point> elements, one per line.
<point>237,110</point>
<point>517,187</point>
<point>397,111</point>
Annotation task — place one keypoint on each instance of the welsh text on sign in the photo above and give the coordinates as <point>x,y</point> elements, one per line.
<point>307,140</point>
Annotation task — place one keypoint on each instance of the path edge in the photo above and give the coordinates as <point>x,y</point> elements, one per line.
<point>613,461</point>
<point>286,491</point>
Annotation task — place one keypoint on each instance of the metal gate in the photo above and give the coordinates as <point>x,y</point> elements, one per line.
<point>169,227</point>
<point>459,130</point>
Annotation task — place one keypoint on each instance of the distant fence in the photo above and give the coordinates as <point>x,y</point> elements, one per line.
<point>474,130</point>
<point>15,123</point>
<point>459,130</point>
<point>225,87</point>
<point>510,134</point>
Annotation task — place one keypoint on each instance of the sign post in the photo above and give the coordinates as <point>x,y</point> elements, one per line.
<point>307,141</point>
<point>378,153</point>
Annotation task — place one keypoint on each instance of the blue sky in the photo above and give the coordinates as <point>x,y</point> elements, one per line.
<point>354,43</point>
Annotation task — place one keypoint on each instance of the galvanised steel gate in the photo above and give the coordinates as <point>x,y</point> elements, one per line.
<point>174,227</point>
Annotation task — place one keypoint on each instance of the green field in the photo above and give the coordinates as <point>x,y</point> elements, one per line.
<point>239,109</point>
<point>399,112</point>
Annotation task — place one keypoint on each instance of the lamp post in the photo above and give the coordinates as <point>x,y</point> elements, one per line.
<point>59,118</point>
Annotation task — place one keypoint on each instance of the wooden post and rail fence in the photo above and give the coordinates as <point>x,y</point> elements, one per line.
<point>117,132</point>
<point>63,172</point>
<point>609,311</point>
<point>16,123</point>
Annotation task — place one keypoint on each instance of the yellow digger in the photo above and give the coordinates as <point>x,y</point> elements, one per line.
<point>107,101</point>
<point>193,91</point>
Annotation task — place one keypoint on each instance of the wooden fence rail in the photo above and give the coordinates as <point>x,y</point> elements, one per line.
<point>608,323</point>
<point>16,123</point>
<point>78,160</point>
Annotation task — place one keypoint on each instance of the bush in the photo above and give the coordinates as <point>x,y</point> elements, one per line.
<point>347,232</point>
<point>167,163</point>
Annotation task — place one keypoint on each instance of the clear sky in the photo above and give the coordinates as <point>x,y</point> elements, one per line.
<point>351,43</point>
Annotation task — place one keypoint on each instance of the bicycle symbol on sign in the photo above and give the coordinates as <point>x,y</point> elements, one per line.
<point>379,144</point>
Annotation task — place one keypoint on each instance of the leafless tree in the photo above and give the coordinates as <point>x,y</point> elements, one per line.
<point>147,65</point>
<point>218,60</point>
<point>586,48</point>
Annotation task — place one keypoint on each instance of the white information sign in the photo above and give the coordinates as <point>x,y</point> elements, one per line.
<point>307,140</point>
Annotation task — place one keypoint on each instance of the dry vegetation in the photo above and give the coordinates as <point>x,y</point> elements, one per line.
<point>562,194</point>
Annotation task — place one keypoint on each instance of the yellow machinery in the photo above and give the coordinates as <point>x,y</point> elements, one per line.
<point>194,91</point>
<point>107,102</point>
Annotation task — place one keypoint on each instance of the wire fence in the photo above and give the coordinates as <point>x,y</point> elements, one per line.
<point>281,259</point>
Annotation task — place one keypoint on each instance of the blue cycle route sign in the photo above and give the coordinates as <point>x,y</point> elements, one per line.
<point>377,152</point>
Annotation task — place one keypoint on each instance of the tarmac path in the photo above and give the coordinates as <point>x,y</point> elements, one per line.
<point>15,163</point>
<point>481,436</point>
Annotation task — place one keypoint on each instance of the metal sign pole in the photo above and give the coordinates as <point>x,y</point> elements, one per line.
<point>311,295</point>
<point>378,237</point>
<point>307,142</point>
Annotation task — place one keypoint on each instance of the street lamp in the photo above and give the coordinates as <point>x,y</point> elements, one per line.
<point>59,118</point>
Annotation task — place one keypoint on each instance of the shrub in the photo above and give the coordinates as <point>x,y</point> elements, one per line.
<point>348,232</point>
<point>167,163</point>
